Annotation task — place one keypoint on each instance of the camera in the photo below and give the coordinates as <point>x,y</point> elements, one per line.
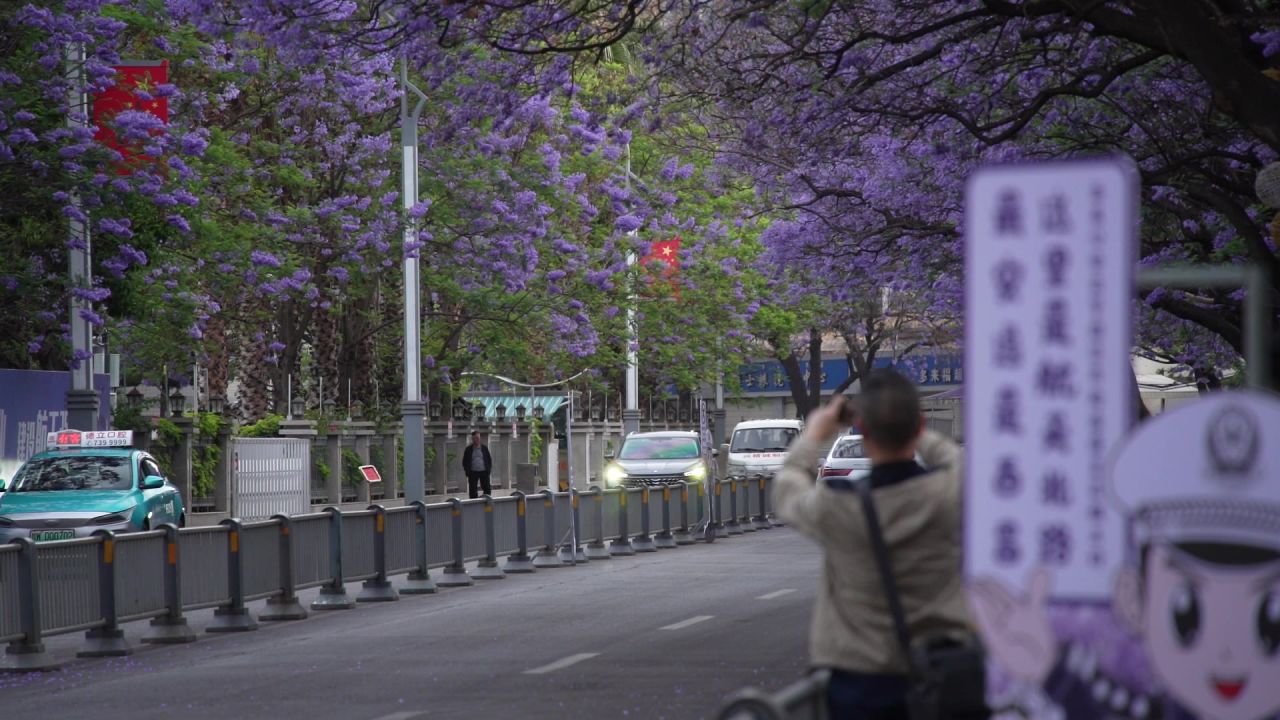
<point>848,409</point>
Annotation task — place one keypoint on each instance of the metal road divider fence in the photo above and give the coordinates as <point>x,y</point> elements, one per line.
<point>98,583</point>
<point>805,699</point>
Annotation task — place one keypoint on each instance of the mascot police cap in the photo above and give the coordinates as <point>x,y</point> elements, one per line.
<point>1204,472</point>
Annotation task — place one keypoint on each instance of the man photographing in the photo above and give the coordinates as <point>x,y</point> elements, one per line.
<point>919,510</point>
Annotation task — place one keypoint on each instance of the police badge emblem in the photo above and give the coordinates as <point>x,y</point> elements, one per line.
<point>1233,441</point>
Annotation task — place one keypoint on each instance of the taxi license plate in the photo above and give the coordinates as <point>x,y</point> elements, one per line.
<point>51,535</point>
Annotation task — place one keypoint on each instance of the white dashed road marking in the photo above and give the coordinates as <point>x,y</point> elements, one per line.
<point>561,664</point>
<point>686,623</point>
<point>776,593</point>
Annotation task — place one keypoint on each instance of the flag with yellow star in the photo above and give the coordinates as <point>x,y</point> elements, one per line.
<point>135,88</point>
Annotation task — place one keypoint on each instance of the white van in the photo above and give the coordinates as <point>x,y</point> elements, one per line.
<point>758,447</point>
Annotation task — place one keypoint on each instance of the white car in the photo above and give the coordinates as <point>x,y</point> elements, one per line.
<point>657,458</point>
<point>758,447</point>
<point>846,459</point>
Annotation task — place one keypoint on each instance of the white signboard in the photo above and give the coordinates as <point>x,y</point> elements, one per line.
<point>89,438</point>
<point>1049,263</point>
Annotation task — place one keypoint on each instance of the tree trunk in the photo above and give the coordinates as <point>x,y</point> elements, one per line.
<point>815,368</point>
<point>216,341</point>
<point>254,378</point>
<point>795,381</point>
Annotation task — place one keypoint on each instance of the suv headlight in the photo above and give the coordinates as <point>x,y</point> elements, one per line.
<point>614,475</point>
<point>697,472</point>
<point>114,518</point>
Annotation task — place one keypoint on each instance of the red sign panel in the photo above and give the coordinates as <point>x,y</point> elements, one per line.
<point>370,473</point>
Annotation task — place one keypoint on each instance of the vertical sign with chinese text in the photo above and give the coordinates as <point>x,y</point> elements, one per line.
<point>1050,251</point>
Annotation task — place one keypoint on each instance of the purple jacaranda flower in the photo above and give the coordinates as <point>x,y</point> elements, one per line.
<point>628,223</point>
<point>263,258</point>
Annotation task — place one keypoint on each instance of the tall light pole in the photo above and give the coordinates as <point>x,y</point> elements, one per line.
<point>82,401</point>
<point>412,408</point>
<point>631,413</point>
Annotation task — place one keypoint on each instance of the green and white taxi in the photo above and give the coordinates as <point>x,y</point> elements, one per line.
<point>87,481</point>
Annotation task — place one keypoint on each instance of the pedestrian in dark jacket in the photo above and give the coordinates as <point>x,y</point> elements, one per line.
<point>478,463</point>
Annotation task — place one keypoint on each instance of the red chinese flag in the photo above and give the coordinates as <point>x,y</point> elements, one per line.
<point>123,95</point>
<point>667,254</point>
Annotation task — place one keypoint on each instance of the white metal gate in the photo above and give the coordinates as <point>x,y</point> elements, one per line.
<point>270,476</point>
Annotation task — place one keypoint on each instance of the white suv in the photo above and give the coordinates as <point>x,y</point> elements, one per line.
<point>758,447</point>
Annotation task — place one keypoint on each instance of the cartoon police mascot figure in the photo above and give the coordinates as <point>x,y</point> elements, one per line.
<point>1200,590</point>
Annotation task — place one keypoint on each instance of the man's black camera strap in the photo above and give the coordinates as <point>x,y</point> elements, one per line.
<point>891,596</point>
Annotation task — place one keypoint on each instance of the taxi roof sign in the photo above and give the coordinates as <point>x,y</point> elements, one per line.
<point>89,438</point>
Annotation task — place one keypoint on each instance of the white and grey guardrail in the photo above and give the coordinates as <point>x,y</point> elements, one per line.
<point>96,584</point>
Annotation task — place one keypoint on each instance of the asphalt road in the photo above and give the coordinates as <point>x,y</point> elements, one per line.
<point>661,635</point>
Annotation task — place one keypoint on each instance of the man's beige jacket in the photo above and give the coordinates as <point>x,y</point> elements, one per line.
<point>852,629</point>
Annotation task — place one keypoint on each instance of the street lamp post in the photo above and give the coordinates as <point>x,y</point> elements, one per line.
<point>412,408</point>
<point>82,401</point>
<point>631,413</point>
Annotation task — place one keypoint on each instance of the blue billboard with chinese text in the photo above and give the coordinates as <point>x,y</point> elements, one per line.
<point>33,403</point>
<point>937,370</point>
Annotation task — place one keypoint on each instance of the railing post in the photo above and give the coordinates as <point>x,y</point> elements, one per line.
<point>333,594</point>
<point>702,504</point>
<point>419,581</point>
<point>235,616</point>
<point>171,628</point>
<point>707,509</point>
<point>284,606</point>
<point>378,588</point>
<point>744,496</point>
<point>596,549</point>
<point>622,544</point>
<point>455,574</point>
<point>547,556</point>
<point>28,654</point>
<point>761,521</point>
<point>716,506</point>
<point>764,506</point>
<point>108,640</point>
<point>664,539</point>
<point>520,562</point>
<point>682,535</point>
<point>487,568</point>
<point>644,542</point>
<point>574,542</point>
<point>731,526</point>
